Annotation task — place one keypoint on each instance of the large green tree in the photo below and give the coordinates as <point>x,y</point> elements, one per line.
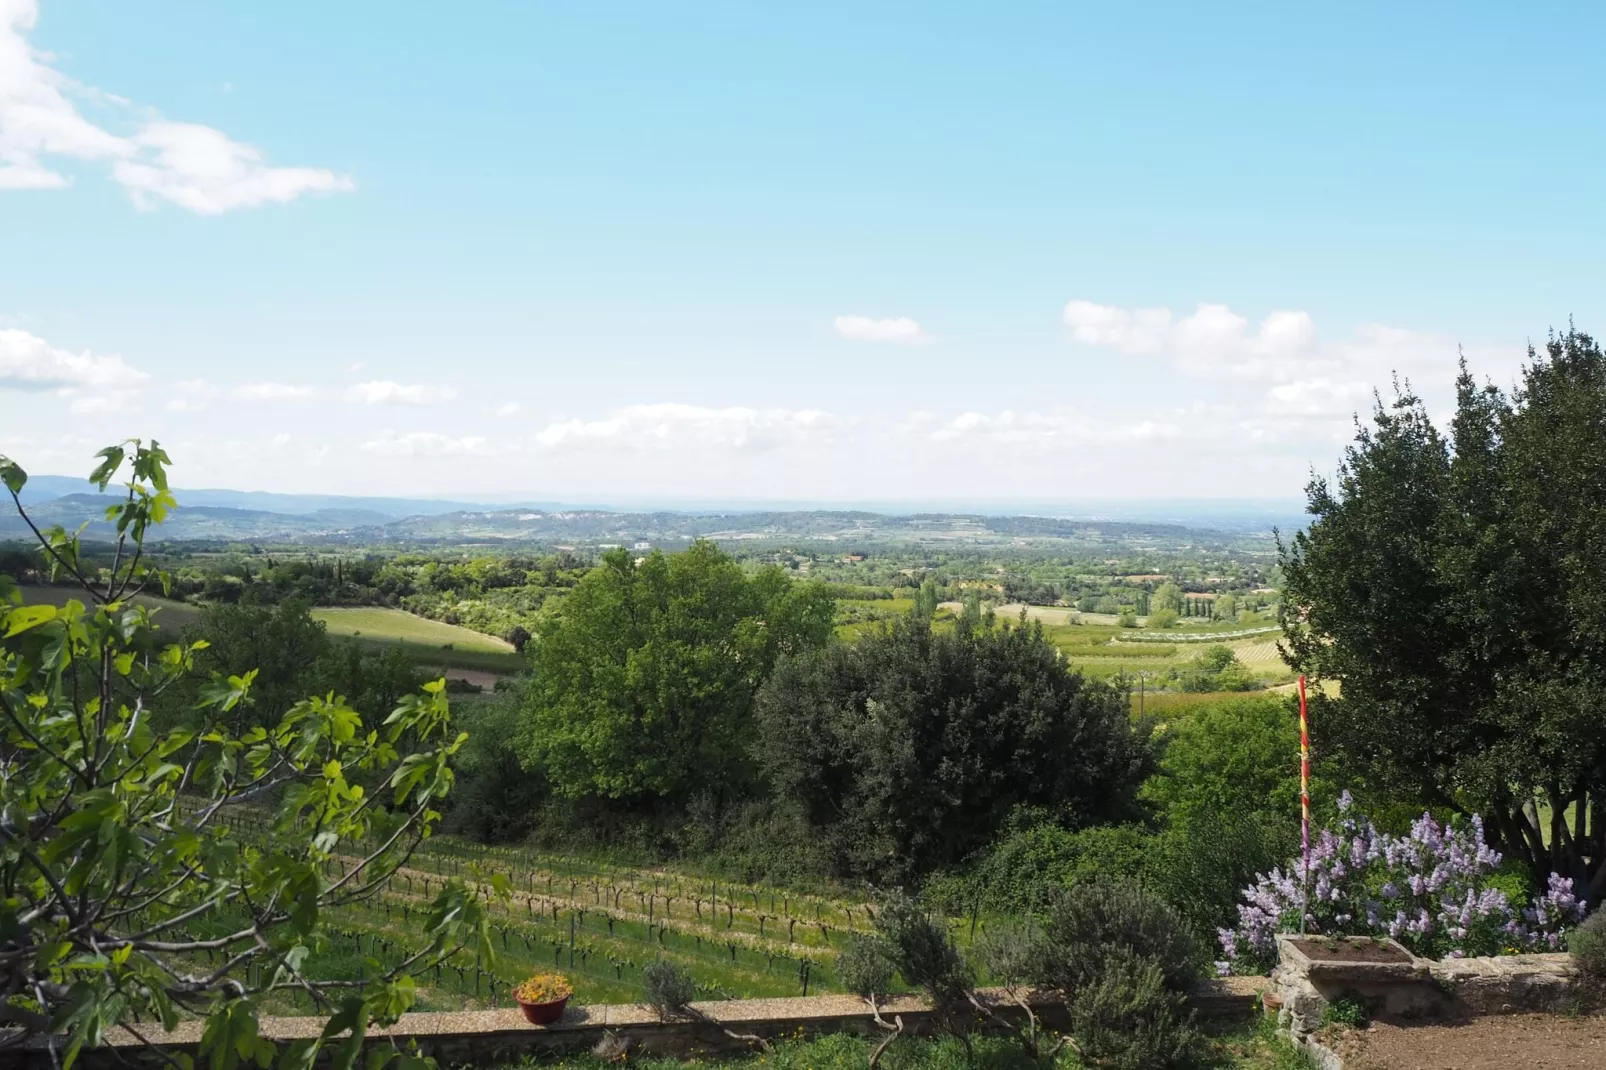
<point>910,748</point>
<point>643,682</point>
<point>151,874</point>
<point>1452,585</point>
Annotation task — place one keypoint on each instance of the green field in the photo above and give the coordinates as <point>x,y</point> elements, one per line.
<point>1097,646</point>
<point>428,642</point>
<point>596,921</point>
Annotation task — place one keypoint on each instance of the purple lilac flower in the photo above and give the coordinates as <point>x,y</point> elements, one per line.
<point>1433,881</point>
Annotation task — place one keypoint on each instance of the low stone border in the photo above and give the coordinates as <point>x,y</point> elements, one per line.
<point>1415,988</point>
<point>486,1037</point>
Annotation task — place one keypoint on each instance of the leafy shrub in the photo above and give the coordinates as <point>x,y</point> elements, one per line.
<point>1012,953</point>
<point>756,841</point>
<point>1588,946</point>
<point>1093,925</point>
<point>1121,959</point>
<point>865,967</point>
<point>669,988</point>
<point>923,952</point>
<point>1436,890</point>
<point>1351,1009</point>
<point>1035,857</point>
<point>1127,1017</point>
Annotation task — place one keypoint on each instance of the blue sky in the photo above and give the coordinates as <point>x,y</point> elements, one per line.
<point>824,251</point>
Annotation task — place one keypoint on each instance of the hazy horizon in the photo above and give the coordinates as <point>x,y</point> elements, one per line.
<point>49,485</point>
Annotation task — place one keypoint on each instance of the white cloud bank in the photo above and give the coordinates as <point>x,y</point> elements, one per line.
<point>193,166</point>
<point>671,425</point>
<point>1288,378</point>
<point>898,330</point>
<point>29,362</point>
<point>1193,404</point>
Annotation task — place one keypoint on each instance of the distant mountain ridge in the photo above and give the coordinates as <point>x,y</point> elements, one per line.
<point>229,515</point>
<point>46,488</point>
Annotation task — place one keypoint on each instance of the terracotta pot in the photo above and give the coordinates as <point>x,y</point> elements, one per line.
<point>543,1013</point>
<point>1270,1003</point>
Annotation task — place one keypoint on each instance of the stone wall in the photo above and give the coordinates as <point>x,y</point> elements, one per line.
<point>1421,988</point>
<point>484,1038</point>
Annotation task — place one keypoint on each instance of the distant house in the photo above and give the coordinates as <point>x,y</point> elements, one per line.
<point>642,546</point>
<point>852,559</point>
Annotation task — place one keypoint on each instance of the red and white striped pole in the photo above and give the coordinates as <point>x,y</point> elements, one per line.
<point>1304,796</point>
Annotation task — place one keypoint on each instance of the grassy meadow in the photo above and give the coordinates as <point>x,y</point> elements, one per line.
<point>429,642</point>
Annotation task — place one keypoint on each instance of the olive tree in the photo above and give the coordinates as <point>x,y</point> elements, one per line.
<point>151,875</point>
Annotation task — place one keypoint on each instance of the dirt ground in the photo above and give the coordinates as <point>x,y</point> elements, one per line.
<point>487,680</point>
<point>1504,1042</point>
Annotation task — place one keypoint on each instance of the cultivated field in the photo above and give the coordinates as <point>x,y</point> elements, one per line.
<point>428,642</point>
<point>1096,645</point>
<point>596,921</point>
<point>1105,651</point>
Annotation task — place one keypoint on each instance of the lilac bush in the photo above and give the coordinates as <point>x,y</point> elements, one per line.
<point>1435,890</point>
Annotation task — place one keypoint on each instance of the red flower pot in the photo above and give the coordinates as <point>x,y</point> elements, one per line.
<point>543,1013</point>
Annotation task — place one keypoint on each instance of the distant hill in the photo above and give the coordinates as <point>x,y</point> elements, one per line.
<point>850,528</point>
<point>224,515</point>
<point>46,488</point>
<point>201,522</point>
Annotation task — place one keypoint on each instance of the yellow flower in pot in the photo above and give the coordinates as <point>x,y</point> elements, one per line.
<point>543,996</point>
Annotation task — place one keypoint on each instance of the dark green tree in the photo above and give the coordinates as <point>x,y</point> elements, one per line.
<point>909,749</point>
<point>1452,586</point>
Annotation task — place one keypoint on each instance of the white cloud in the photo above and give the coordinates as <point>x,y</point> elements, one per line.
<point>1213,341</point>
<point>193,395</point>
<point>670,425</point>
<point>1059,427</point>
<point>193,166</point>
<point>386,392</point>
<point>273,392</point>
<point>899,330</point>
<point>29,362</point>
<point>507,410</point>
<point>1295,384</point>
<point>1029,428</point>
<point>426,444</point>
<point>1142,330</point>
<point>202,169</point>
<point>1318,397</point>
